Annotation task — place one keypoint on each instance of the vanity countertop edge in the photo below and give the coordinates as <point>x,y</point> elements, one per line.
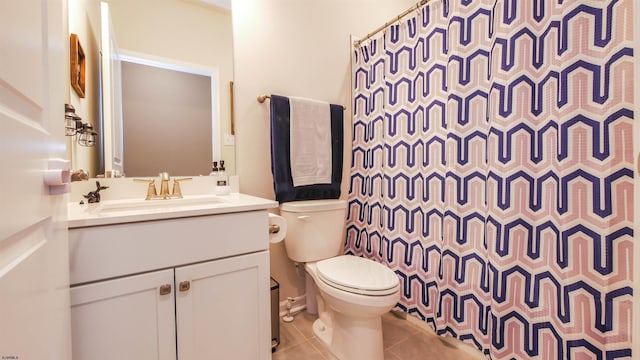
<point>79,216</point>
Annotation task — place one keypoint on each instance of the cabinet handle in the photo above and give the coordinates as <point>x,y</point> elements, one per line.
<point>185,285</point>
<point>165,289</point>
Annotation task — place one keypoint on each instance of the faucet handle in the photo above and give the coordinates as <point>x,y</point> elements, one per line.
<point>151,189</point>
<point>176,191</point>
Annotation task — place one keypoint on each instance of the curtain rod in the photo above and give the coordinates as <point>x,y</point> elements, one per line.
<point>262,98</point>
<point>417,6</point>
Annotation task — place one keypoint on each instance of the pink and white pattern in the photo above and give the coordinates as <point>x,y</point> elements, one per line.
<point>492,169</point>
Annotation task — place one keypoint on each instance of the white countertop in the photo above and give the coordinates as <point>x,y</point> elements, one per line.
<point>121,211</point>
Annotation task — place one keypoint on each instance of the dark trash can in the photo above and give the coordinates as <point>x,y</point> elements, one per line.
<point>275,315</point>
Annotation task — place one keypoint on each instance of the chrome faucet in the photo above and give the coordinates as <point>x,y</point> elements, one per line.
<point>152,193</point>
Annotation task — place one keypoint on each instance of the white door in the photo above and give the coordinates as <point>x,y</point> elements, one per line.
<point>127,318</point>
<point>34,275</point>
<point>222,309</point>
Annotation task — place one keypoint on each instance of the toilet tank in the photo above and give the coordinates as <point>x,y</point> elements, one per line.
<point>314,228</point>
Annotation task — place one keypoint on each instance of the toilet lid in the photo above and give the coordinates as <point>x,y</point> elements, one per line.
<point>358,275</point>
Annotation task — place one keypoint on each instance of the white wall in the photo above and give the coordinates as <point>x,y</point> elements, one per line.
<point>84,21</point>
<point>294,48</point>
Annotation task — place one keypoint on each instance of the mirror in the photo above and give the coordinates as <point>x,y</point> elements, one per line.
<point>191,33</point>
<point>157,113</point>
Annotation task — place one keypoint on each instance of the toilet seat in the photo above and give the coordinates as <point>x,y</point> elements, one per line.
<point>357,275</point>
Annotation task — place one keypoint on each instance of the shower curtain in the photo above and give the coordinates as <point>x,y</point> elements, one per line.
<point>492,170</point>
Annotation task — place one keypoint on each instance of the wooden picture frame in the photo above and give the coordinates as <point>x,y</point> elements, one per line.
<point>77,66</point>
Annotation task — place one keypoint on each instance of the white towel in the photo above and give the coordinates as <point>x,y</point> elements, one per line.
<point>310,141</point>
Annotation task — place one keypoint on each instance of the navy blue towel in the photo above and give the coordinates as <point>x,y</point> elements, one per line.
<point>280,155</point>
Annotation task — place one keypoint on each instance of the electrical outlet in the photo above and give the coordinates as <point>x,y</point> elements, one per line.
<point>229,139</point>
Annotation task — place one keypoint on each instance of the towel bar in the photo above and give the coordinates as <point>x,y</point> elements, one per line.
<point>263,97</point>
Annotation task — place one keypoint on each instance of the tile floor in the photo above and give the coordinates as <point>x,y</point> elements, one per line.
<point>403,340</point>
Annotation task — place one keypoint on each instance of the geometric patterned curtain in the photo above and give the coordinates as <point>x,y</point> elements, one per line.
<point>492,170</point>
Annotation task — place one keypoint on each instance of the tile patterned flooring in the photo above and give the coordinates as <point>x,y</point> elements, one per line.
<point>403,340</point>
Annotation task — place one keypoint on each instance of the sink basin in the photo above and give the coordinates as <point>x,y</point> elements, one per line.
<point>158,205</point>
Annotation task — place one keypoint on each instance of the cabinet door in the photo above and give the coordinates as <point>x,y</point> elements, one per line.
<point>222,309</point>
<point>125,318</point>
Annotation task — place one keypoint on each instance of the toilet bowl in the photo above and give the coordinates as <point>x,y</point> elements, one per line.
<point>351,292</point>
<point>349,321</point>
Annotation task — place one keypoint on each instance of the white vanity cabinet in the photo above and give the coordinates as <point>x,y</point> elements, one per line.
<point>125,318</point>
<point>216,324</point>
<point>185,288</point>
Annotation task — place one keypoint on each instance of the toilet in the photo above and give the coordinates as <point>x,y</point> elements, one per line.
<point>351,293</point>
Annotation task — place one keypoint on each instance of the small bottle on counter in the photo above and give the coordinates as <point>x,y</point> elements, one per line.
<point>214,169</point>
<point>222,181</point>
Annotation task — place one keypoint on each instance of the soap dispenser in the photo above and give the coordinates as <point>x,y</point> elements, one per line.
<point>214,175</point>
<point>222,181</point>
<point>214,169</point>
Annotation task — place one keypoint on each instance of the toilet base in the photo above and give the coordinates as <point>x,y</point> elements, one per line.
<point>350,324</point>
<point>322,332</point>
<point>351,337</point>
